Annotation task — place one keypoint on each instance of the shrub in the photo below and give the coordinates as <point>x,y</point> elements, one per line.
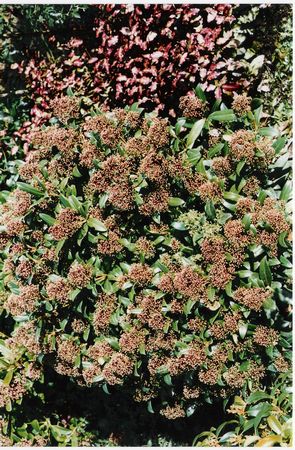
<point>171,49</point>
<point>148,258</point>
<point>63,53</point>
<point>148,53</point>
<point>49,431</point>
<point>262,419</point>
<point>264,50</point>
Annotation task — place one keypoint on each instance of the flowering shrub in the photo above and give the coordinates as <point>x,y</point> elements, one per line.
<point>148,258</point>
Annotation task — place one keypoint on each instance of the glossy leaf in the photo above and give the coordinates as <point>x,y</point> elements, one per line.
<point>195,132</point>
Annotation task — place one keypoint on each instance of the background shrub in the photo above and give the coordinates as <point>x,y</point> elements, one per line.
<point>264,51</point>
<point>145,53</point>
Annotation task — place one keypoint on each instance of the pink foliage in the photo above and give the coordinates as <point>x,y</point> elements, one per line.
<point>151,54</point>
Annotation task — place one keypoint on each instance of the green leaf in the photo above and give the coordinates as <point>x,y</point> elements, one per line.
<point>64,201</point>
<point>97,224</point>
<point>257,115</point>
<point>188,306</point>
<point>150,407</point>
<point>70,92</point>
<point>35,425</point>
<point>226,115</point>
<point>77,361</point>
<point>215,150</point>
<point>243,328</point>
<point>200,93</point>
<point>247,221</point>
<point>269,131</point>
<point>179,226</point>
<point>28,188</point>
<point>103,200</point>
<point>231,196</point>
<point>195,132</point>
<point>286,192</point>
<point>279,144</point>
<point>167,379</point>
<point>175,201</point>
<point>256,64</point>
<point>193,155</point>
<point>105,389</point>
<point>283,239</point>
<point>77,173</point>
<point>216,105</point>
<point>8,377</point>
<point>260,410</point>
<point>274,424</point>
<point>229,206</point>
<point>6,352</point>
<point>74,440</point>
<point>210,210</point>
<point>200,167</point>
<point>257,396</point>
<point>269,441</point>
<point>228,289</point>
<point>75,203</point>
<point>48,219</point>
<point>8,405</point>
<point>269,305</point>
<point>179,125</point>
<point>285,262</point>
<point>245,273</point>
<point>265,272</point>
<point>190,410</point>
<point>60,245</point>
<point>240,167</point>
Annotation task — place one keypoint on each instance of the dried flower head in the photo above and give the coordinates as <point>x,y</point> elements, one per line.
<point>242,145</point>
<point>144,246</point>
<point>119,367</point>
<point>67,223</point>
<point>24,269</point>
<point>140,274</point>
<point>79,275</point>
<point>191,106</point>
<point>189,283</point>
<point>173,412</point>
<point>241,104</point>
<point>265,336</point>
<point>105,306</point>
<point>158,133</point>
<point>68,351</point>
<point>20,202</point>
<point>89,153</point>
<point>65,108</point>
<point>123,264</point>
<point>252,298</point>
<point>58,290</point>
<point>137,147</point>
<point>156,201</point>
